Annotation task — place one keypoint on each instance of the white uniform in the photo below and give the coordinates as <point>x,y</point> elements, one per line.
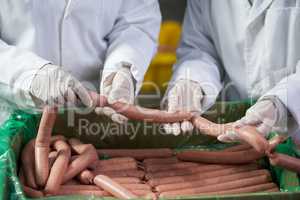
<point>83,36</point>
<point>247,50</point>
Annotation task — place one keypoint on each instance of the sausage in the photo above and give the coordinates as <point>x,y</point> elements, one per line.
<point>70,192</point>
<point>209,128</point>
<point>127,180</point>
<point>199,176</point>
<point>29,192</point>
<point>57,137</point>
<point>88,156</point>
<point>32,193</point>
<point>249,189</point>
<point>248,134</point>
<point>210,181</point>
<point>160,161</point>
<point>125,173</point>
<point>241,147</point>
<point>86,177</point>
<point>82,148</point>
<point>53,154</point>
<point>139,113</point>
<point>80,187</point>
<point>118,167</point>
<point>52,158</point>
<point>42,145</point>
<point>72,182</point>
<point>83,190</point>
<point>136,186</point>
<point>188,171</point>
<point>59,167</point>
<point>113,187</point>
<point>139,154</point>
<point>171,167</point>
<point>215,157</point>
<point>285,161</point>
<point>28,160</point>
<point>112,161</point>
<point>145,194</point>
<point>219,187</point>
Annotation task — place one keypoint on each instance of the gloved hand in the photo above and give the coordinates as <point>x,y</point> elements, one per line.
<point>52,85</point>
<point>117,87</point>
<point>268,114</point>
<point>185,95</point>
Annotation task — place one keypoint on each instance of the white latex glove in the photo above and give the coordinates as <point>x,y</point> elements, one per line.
<point>117,87</point>
<point>268,115</point>
<point>186,95</point>
<point>52,85</point>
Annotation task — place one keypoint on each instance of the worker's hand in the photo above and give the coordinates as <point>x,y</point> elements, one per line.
<point>53,86</point>
<point>267,115</point>
<point>117,87</point>
<point>185,95</point>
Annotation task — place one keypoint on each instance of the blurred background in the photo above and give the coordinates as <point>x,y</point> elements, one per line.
<point>160,70</point>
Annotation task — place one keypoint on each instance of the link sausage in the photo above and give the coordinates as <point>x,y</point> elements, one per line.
<point>59,167</point>
<point>219,187</point>
<point>188,171</point>
<point>285,161</point>
<point>248,134</point>
<point>88,156</point>
<point>139,113</point>
<point>125,173</point>
<point>139,154</point>
<point>199,176</point>
<point>215,157</point>
<point>28,160</point>
<point>113,187</point>
<point>210,181</point>
<point>42,145</point>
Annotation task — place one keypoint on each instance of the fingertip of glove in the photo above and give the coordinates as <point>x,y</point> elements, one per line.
<point>187,126</point>
<point>176,129</point>
<point>167,129</point>
<point>120,119</point>
<point>99,110</point>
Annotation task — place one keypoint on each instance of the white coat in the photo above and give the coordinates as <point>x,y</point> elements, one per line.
<point>248,51</point>
<point>83,36</point>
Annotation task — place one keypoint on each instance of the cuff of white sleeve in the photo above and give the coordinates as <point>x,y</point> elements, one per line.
<point>22,83</point>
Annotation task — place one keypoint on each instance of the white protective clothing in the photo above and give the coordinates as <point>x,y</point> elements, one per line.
<point>88,38</point>
<point>185,95</point>
<point>248,50</point>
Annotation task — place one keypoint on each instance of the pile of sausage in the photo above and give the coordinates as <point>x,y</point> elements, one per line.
<point>75,169</point>
<point>53,165</point>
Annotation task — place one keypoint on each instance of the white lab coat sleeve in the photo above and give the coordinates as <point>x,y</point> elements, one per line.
<point>197,56</point>
<point>18,67</point>
<point>288,91</point>
<point>133,39</point>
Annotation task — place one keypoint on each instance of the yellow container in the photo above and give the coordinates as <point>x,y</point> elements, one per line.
<point>160,69</point>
